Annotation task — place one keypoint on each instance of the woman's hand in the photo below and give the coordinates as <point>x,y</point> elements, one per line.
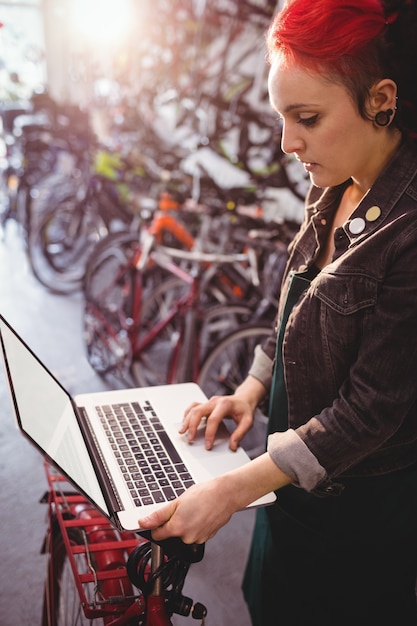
<point>240,407</point>
<point>195,516</point>
<point>201,510</point>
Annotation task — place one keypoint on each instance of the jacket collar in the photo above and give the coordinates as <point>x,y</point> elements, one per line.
<point>389,187</point>
<point>376,205</point>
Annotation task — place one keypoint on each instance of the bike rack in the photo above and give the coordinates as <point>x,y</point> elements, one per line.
<point>98,555</point>
<point>98,563</point>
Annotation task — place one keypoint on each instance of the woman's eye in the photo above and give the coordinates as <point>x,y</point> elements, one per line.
<point>308,121</point>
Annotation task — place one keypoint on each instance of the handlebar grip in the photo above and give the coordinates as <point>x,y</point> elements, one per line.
<point>175,547</point>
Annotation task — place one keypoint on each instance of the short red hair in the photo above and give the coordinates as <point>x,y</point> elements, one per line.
<point>319,33</point>
<point>354,42</point>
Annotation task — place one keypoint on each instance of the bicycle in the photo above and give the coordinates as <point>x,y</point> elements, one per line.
<point>147,331</point>
<point>98,575</point>
<point>73,221</point>
<point>41,146</point>
<point>117,190</point>
<point>175,337</point>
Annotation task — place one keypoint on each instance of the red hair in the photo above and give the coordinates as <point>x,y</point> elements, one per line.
<point>317,33</point>
<point>354,42</point>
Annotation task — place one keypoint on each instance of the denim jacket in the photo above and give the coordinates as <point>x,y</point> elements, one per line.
<point>350,344</point>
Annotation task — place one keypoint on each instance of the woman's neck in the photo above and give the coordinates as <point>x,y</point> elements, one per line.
<point>383,152</point>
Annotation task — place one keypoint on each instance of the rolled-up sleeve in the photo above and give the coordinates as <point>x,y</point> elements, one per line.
<point>262,367</point>
<point>292,456</point>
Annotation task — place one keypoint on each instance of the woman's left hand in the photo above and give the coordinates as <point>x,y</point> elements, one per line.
<point>199,512</point>
<point>195,516</point>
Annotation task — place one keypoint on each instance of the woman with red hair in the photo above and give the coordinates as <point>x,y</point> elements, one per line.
<point>339,546</point>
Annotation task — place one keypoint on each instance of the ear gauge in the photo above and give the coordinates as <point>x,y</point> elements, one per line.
<point>383,118</point>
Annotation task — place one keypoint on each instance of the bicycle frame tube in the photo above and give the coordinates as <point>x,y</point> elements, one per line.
<point>161,261</point>
<point>181,304</point>
<point>185,305</point>
<point>155,612</point>
<point>110,334</point>
<point>164,222</point>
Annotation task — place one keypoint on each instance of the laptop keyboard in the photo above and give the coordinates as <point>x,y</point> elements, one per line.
<point>153,470</point>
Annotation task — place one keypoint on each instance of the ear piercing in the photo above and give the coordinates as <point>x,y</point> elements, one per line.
<point>383,118</point>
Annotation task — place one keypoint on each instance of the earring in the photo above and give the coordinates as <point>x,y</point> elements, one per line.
<point>383,118</point>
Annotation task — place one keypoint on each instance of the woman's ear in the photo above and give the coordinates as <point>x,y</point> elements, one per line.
<point>382,96</point>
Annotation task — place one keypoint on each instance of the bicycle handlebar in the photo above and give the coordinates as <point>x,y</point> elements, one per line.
<point>205,257</point>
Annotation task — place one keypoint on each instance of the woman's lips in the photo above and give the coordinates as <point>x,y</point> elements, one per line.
<point>309,167</point>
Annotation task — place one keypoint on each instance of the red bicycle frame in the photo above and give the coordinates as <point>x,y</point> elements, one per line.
<point>98,563</point>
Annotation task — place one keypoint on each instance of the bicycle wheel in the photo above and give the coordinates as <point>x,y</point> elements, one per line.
<point>61,602</point>
<point>109,289</point>
<point>109,255</point>
<point>61,243</point>
<point>219,321</point>
<point>7,180</point>
<point>227,365</point>
<point>225,368</point>
<point>151,363</point>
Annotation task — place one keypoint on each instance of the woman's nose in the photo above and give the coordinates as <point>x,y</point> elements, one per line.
<point>290,140</point>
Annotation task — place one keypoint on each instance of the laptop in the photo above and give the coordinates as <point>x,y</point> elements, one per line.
<point>119,448</point>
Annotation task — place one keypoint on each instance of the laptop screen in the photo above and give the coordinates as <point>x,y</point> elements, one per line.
<point>45,413</point>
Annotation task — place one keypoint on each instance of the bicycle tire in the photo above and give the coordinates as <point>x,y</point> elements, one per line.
<point>122,245</point>
<point>61,243</point>
<point>227,364</point>
<point>108,289</point>
<point>109,293</point>
<point>225,368</point>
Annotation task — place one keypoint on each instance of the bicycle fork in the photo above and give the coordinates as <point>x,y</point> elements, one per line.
<point>185,357</point>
